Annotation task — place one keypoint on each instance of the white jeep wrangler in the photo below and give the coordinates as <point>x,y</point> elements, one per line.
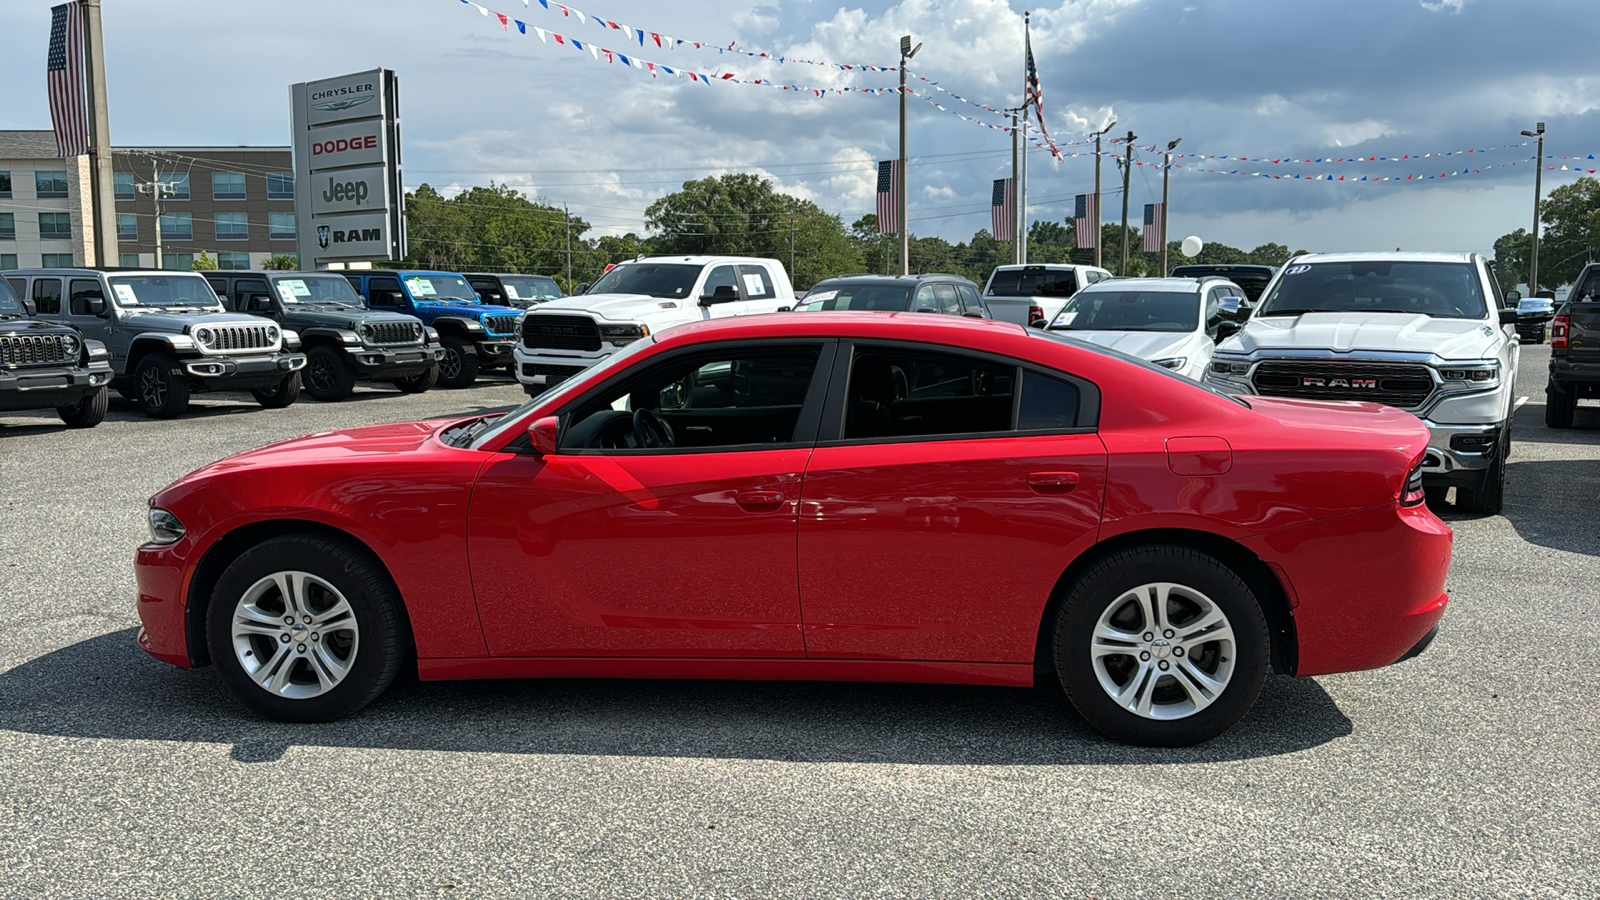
<point>1426,332</point>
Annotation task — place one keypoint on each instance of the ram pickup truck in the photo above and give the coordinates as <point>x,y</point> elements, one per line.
<point>560,338</point>
<point>1574,350</point>
<point>1036,292</point>
<point>1430,333</point>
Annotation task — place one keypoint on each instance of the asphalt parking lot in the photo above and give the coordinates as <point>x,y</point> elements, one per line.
<point>1471,771</point>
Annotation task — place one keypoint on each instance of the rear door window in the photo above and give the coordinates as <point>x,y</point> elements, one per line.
<point>970,300</point>
<point>756,282</point>
<point>948,302</point>
<point>906,393</point>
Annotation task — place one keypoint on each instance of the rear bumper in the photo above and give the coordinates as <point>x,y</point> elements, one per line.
<point>1369,585</point>
<point>51,386</point>
<point>1564,371</point>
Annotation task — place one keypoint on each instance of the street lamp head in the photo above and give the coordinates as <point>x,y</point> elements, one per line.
<point>914,50</point>
<point>1107,127</point>
<point>1174,143</point>
<point>1539,128</point>
<point>1529,134</point>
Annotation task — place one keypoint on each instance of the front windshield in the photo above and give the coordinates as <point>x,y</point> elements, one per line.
<point>492,428</point>
<point>893,297</point>
<point>137,291</point>
<point>538,289</point>
<point>440,289</point>
<point>9,304</point>
<point>319,290</point>
<point>671,281</point>
<point>1441,290</point>
<point>1128,310</point>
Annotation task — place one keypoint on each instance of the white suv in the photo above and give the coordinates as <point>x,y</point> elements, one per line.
<point>1426,332</point>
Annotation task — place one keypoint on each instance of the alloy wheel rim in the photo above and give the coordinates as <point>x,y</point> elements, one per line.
<point>321,375</point>
<point>152,388</point>
<point>295,635</point>
<point>1163,651</point>
<point>450,365</point>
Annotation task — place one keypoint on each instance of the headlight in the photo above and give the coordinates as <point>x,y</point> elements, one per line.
<point>623,334</point>
<point>69,346</point>
<point>205,336</point>
<point>1472,374</point>
<point>272,332</point>
<point>365,330</point>
<point>1172,362</point>
<point>516,327</point>
<point>164,527</point>
<point>1230,368</point>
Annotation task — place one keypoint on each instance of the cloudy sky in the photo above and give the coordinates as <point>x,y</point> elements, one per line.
<point>1258,78</point>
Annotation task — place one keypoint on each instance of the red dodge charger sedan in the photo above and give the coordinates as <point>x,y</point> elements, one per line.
<point>839,496</point>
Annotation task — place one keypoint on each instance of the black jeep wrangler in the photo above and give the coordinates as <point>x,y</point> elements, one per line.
<point>44,365</point>
<point>343,339</point>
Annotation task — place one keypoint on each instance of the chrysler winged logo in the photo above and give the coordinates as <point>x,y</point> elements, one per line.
<point>322,236</point>
<point>346,103</point>
<point>1370,384</point>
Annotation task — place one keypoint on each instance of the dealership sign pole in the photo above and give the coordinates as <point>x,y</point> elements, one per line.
<point>349,202</point>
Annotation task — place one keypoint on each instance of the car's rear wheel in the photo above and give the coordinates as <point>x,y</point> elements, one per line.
<point>304,628</point>
<point>1560,407</point>
<point>1161,646</point>
<point>458,367</point>
<point>328,376</point>
<point>161,386</point>
<point>281,394</point>
<point>1489,496</point>
<point>88,412</point>
<point>417,384</point>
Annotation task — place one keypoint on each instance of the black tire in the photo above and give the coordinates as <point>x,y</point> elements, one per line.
<point>88,412</point>
<point>1105,589</point>
<point>129,394</point>
<point>280,395</point>
<point>1560,407</point>
<point>419,384</point>
<point>327,374</point>
<point>1488,497</point>
<point>459,367</point>
<point>1435,495</point>
<point>161,386</point>
<point>373,648</point>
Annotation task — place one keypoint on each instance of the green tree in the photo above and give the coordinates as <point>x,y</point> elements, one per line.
<point>205,262</point>
<point>1511,255</point>
<point>493,228</point>
<point>284,261</point>
<point>1268,255</point>
<point>1571,216</point>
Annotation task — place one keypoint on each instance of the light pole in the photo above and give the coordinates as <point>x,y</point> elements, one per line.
<point>1127,169</point>
<point>1097,135</point>
<point>906,52</point>
<point>1166,211</point>
<point>1538,177</point>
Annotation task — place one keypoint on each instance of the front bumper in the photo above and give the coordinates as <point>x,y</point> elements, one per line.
<point>494,351</point>
<point>232,373</point>
<point>45,387</point>
<point>1459,450</point>
<point>540,369</point>
<point>387,362</point>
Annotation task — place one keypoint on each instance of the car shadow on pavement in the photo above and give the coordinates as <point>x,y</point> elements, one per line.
<point>1551,503</point>
<point>105,687</point>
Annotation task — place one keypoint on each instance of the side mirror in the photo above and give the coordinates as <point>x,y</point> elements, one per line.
<point>1508,316</point>
<point>542,433</point>
<point>96,306</point>
<point>258,303</point>
<point>28,308</point>
<point>974,314</point>
<point>1039,323</point>
<point>1227,329</point>
<point>724,293</point>
<point>1513,296</point>
<point>581,289</point>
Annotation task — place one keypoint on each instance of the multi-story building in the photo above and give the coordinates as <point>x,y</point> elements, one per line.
<point>234,204</point>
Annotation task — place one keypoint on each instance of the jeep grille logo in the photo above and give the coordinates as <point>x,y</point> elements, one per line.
<point>1370,384</point>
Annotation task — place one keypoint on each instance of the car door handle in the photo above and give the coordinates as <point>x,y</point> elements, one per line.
<point>1052,482</point>
<point>759,500</point>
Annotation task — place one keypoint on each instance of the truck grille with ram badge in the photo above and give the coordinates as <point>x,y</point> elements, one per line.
<point>1404,385</point>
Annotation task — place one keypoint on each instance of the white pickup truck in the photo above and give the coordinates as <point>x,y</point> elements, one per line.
<point>560,338</point>
<point>1430,333</point>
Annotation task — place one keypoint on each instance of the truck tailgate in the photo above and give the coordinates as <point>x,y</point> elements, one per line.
<point>1583,330</point>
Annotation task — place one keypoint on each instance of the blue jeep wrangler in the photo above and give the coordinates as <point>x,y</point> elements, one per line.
<point>475,337</point>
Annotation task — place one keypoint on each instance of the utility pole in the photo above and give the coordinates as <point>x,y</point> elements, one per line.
<point>1127,169</point>
<point>1538,177</point>
<point>154,189</point>
<point>1022,194</point>
<point>566,219</point>
<point>1097,242</point>
<point>906,52</point>
<point>1166,211</point>
<point>1016,214</point>
<point>791,248</point>
<point>102,183</point>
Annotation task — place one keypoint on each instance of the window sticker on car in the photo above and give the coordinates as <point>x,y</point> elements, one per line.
<point>754,285</point>
<point>1296,270</point>
<point>285,293</point>
<point>821,297</point>
<point>296,287</point>
<point>422,287</point>
<point>125,293</point>
<point>511,291</point>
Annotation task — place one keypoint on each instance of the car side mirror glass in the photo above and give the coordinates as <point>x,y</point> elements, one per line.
<point>582,288</point>
<point>1513,296</point>
<point>724,293</point>
<point>542,434</point>
<point>1508,317</point>
<point>1039,323</point>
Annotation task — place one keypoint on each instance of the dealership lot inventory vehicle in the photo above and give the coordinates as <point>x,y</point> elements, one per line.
<point>473,337</point>
<point>560,338</point>
<point>842,496</point>
<point>948,294</point>
<point>168,334</point>
<point>506,289</point>
<point>1172,322</point>
<point>1534,314</point>
<point>1574,350</point>
<point>1429,333</point>
<point>1252,279</point>
<point>44,365</point>
<point>1035,292</point>
<point>343,340</point>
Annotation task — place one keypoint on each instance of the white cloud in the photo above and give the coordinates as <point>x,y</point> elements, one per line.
<point>1453,7</point>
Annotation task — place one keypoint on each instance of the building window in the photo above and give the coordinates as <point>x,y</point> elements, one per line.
<point>50,184</point>
<point>127,227</point>
<point>176,185</point>
<point>177,260</point>
<point>232,226</point>
<point>227,185</point>
<point>280,186</point>
<point>177,226</point>
<point>231,260</point>
<point>124,185</point>
<point>56,260</point>
<point>8,261</point>
<point>128,260</point>
<point>8,226</point>
<point>55,226</point>
<point>280,226</point>
<point>5,185</point>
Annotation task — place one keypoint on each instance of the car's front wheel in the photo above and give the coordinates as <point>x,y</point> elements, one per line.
<point>280,394</point>
<point>161,386</point>
<point>88,412</point>
<point>1161,646</point>
<point>1489,496</point>
<point>458,368</point>
<point>305,628</point>
<point>419,383</point>
<point>328,376</point>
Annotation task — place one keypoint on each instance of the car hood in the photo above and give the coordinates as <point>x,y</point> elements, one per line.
<point>1348,332</point>
<point>178,322</point>
<point>1150,345</point>
<point>467,310</point>
<point>32,326</point>
<point>345,318</point>
<point>615,307</point>
<point>347,443</point>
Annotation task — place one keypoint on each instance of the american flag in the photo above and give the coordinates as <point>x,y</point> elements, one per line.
<point>1002,211</point>
<point>888,196</point>
<point>1155,222</point>
<point>64,72</point>
<point>1034,94</point>
<point>1083,216</point>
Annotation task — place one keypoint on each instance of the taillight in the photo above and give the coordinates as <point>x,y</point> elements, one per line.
<point>1558,333</point>
<point>1413,494</point>
<point>1035,314</point>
